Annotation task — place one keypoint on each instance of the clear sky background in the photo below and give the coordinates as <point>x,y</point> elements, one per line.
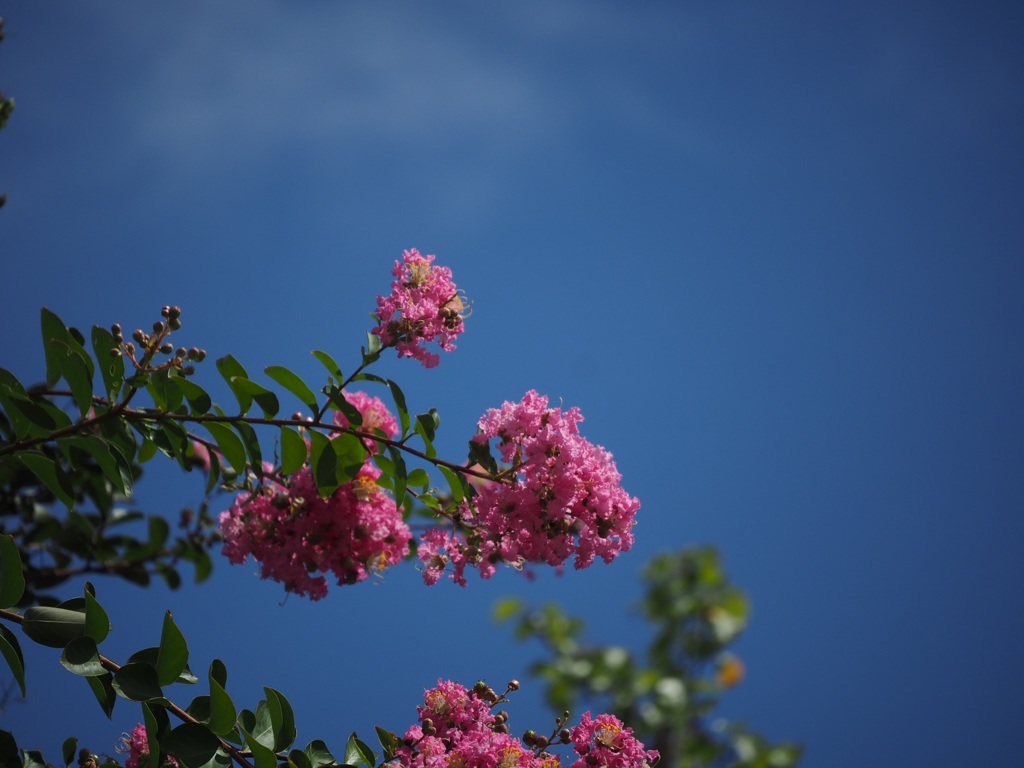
<point>773,251</point>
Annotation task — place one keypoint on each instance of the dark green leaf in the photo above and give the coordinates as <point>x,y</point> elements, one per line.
<point>10,755</point>
<point>373,348</point>
<point>480,454</point>
<point>53,330</point>
<point>222,709</point>
<point>110,362</point>
<point>173,655</point>
<point>53,627</point>
<point>265,399</point>
<point>10,649</point>
<point>103,689</point>
<point>230,369</point>
<point>358,753</point>
<point>80,657</point>
<point>319,754</point>
<point>68,750</point>
<point>293,451</point>
<point>263,756</point>
<point>324,463</point>
<point>230,446</point>
<point>137,681</point>
<point>193,744</point>
<point>198,400</point>
<point>75,368</point>
<point>116,468</point>
<point>328,363</point>
<point>399,477</point>
<point>456,481</point>
<point>351,455</point>
<point>418,478</point>
<point>50,475</point>
<point>219,672</point>
<point>12,575</point>
<point>299,759</point>
<point>337,398</point>
<point>152,723</point>
<point>282,719</point>
<point>389,742</point>
<point>252,446</point>
<point>97,624</point>
<point>293,384</point>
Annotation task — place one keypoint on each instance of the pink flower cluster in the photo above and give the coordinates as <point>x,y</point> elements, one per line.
<point>298,537</point>
<point>562,498</point>
<point>456,729</point>
<point>424,305</point>
<point>136,744</point>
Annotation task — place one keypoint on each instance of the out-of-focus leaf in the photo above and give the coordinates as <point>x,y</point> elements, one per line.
<point>10,755</point>
<point>50,475</point>
<point>173,656</point>
<point>51,626</point>
<point>293,384</point>
<point>68,749</point>
<point>12,575</point>
<point>293,451</point>
<point>10,649</point>
<point>373,347</point>
<point>116,468</point>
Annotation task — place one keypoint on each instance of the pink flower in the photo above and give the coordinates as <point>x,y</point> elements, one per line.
<point>136,744</point>
<point>563,497</point>
<point>604,741</point>
<point>298,538</point>
<point>424,305</point>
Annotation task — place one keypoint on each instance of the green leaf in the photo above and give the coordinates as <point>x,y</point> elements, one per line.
<point>480,454</point>
<point>396,394</point>
<point>53,330</point>
<point>111,365</point>
<point>426,427</point>
<point>282,719</point>
<point>252,446</point>
<point>68,750</point>
<point>137,681</point>
<point>293,451</point>
<point>456,481</point>
<point>116,468</point>
<point>389,742</point>
<point>198,400</point>
<point>231,369</point>
<point>53,627</point>
<point>80,657</point>
<point>299,759</point>
<point>152,735</point>
<point>103,689</point>
<point>263,756</point>
<point>97,624</point>
<point>338,400</point>
<point>12,575</point>
<point>418,478</point>
<point>10,649</point>
<point>319,754</point>
<point>230,446</point>
<point>75,368</point>
<point>193,744</point>
<point>219,672</point>
<point>373,348</point>
<point>173,655</point>
<point>329,364</point>
<point>399,477</point>
<point>324,463</point>
<point>10,755</point>
<point>357,753</point>
<point>351,455</point>
<point>293,384</point>
<point>265,399</point>
<point>50,475</point>
<point>222,709</point>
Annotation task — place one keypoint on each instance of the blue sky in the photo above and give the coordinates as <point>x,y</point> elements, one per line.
<point>772,251</point>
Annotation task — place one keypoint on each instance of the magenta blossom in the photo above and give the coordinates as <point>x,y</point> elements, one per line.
<point>424,306</point>
<point>604,741</point>
<point>562,497</point>
<point>376,417</point>
<point>136,744</point>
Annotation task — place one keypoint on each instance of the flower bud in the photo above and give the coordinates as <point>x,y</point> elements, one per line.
<point>513,685</point>
<point>542,741</point>
<point>530,737</point>
<point>158,327</point>
<point>166,349</point>
<point>565,735</point>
